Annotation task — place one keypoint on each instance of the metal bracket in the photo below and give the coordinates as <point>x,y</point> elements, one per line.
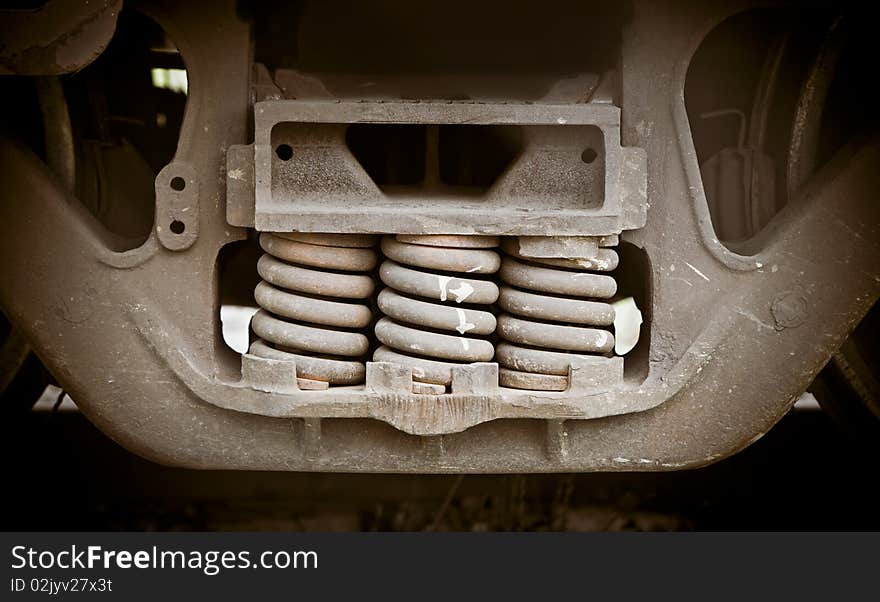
<point>177,206</point>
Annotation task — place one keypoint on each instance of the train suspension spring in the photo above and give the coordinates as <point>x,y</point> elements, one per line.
<point>435,304</point>
<point>311,299</point>
<point>554,310</point>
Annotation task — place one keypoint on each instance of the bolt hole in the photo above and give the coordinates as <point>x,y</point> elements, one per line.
<point>178,227</point>
<point>284,152</point>
<point>589,155</point>
<point>178,183</point>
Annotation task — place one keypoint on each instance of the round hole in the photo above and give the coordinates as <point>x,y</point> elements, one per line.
<point>284,152</point>
<point>178,227</point>
<point>178,183</point>
<point>589,155</point>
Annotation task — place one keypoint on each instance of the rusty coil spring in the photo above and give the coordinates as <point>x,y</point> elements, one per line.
<point>421,307</point>
<point>551,316</point>
<point>309,282</point>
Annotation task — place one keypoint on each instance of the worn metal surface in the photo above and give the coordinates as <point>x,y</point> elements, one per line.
<point>547,190</point>
<point>61,36</point>
<point>805,130</point>
<point>734,338</point>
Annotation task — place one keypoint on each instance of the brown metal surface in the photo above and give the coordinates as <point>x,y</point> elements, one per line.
<point>61,36</point>
<point>734,338</point>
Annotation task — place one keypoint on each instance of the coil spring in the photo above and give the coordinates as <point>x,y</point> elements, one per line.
<point>413,331</point>
<point>550,316</point>
<point>307,313</point>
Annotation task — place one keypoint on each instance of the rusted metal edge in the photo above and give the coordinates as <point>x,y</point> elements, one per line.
<point>62,36</point>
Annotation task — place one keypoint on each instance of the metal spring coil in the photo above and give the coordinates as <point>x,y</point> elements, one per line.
<point>550,316</point>
<point>421,307</point>
<point>309,281</point>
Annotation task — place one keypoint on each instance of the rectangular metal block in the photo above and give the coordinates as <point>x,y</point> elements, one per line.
<point>569,175</point>
<point>269,375</point>
<point>475,379</point>
<point>384,377</point>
